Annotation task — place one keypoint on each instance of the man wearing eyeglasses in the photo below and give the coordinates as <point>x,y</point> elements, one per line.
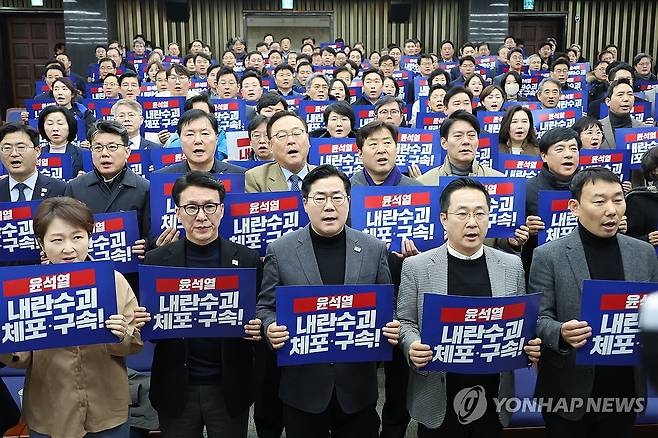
<point>319,398</point>
<point>112,186</point>
<point>129,114</point>
<point>204,382</point>
<point>289,142</point>
<point>19,151</point>
<point>390,110</point>
<point>461,266</point>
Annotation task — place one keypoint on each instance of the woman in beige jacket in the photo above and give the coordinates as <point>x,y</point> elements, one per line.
<point>80,391</point>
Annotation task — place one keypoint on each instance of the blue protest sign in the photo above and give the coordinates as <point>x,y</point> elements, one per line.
<point>487,151</point>
<point>641,110</point>
<point>618,161</point>
<point>611,310</point>
<point>94,91</point>
<point>163,209</point>
<point>102,108</point>
<point>163,157</point>
<point>530,105</point>
<point>409,63</point>
<point>508,195</point>
<point>138,161</point>
<point>530,85</point>
<point>490,121</point>
<point>337,323</point>
<point>519,166</point>
<point>364,114</point>
<point>55,166</point>
<point>34,107</point>
<point>637,141</point>
<point>197,302</point>
<point>392,213</point>
<point>56,305</point>
<point>327,71</point>
<point>311,111</point>
<point>553,208</point>
<point>417,146</point>
<point>256,219</point>
<point>293,102</point>
<point>17,241</point>
<point>148,89</point>
<point>421,87</point>
<point>579,69</point>
<point>230,113</point>
<point>548,119</point>
<point>40,87</point>
<point>113,237</point>
<point>341,153</point>
<point>478,335</point>
<point>430,121</point>
<point>238,145</point>
<point>355,93</point>
<point>573,98</point>
<point>577,82</point>
<point>161,113</point>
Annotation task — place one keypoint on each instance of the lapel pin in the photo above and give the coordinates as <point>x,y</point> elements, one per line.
<point>357,248</point>
<point>234,262</point>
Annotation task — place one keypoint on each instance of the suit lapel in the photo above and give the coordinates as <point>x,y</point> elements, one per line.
<point>5,196</point>
<point>437,270</point>
<point>353,257</point>
<point>227,255</point>
<point>633,271</point>
<point>577,260</point>
<point>497,274</point>
<point>176,254</point>
<point>40,188</point>
<point>276,179</point>
<point>307,258</point>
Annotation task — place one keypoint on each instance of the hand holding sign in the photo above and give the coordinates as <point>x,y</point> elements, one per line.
<point>139,248</point>
<point>118,325</point>
<point>170,234</point>
<point>277,335</point>
<point>623,224</point>
<point>575,333</point>
<point>420,354</point>
<point>392,332</point>
<point>141,317</point>
<point>252,329</point>
<point>653,238</point>
<point>521,236</point>
<point>534,224</point>
<point>533,350</point>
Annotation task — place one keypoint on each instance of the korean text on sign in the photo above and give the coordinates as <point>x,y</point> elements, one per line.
<point>553,208</point>
<point>255,219</point>
<point>637,141</point>
<point>611,310</point>
<point>476,335</point>
<point>113,237</point>
<point>17,242</point>
<point>197,302</point>
<point>341,153</point>
<point>60,305</point>
<point>334,323</point>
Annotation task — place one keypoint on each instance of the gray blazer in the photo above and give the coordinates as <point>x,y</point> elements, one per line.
<point>558,270</point>
<point>609,141</point>
<point>428,273</point>
<point>290,260</point>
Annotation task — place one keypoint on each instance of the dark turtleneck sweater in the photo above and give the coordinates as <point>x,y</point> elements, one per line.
<point>330,256</point>
<point>604,263</point>
<point>204,355</point>
<point>618,122</point>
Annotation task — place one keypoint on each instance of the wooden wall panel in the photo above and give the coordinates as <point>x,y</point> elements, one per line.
<point>364,20</point>
<point>630,24</point>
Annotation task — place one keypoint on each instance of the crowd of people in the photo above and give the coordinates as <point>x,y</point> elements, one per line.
<point>209,384</point>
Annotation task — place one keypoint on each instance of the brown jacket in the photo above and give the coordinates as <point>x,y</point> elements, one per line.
<point>71,391</point>
<point>266,178</point>
<point>528,149</point>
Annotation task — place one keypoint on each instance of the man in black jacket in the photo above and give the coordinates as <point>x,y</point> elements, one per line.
<point>19,150</point>
<point>204,382</point>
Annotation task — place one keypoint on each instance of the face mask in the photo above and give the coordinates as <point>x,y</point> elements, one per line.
<point>511,89</point>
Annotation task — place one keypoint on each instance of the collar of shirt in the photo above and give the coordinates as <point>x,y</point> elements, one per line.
<point>453,252</point>
<point>31,182</point>
<point>135,142</point>
<point>301,174</point>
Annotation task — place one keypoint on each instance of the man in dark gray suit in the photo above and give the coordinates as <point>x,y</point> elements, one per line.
<point>319,398</point>
<point>595,250</point>
<point>461,266</point>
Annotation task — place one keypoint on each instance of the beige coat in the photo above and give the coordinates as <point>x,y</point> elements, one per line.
<point>266,178</point>
<point>71,391</point>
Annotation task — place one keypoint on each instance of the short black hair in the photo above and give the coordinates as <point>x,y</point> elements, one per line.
<point>10,128</point>
<point>284,67</point>
<point>179,69</point>
<point>586,122</point>
<point>197,178</point>
<point>280,115</point>
<point>504,133</point>
<point>366,131</point>
<point>439,72</point>
<point>557,135</point>
<point>371,71</point>
<point>250,73</point>
<point>342,108</point>
<point>638,58</point>
<point>202,55</point>
<point>109,127</point>
<point>275,51</point>
<point>457,116</point>
<point>591,175</point>
<point>515,50</point>
<point>54,66</point>
<point>328,49</point>
<point>203,97</point>
<point>515,75</point>
<point>303,63</point>
<point>614,84</point>
<point>458,184</point>
<point>129,74</point>
<point>255,122</point>
<point>560,61</point>
<point>453,91</point>
<point>70,121</point>
<point>270,98</point>
<point>227,71</point>
<point>467,58</point>
<point>322,172</point>
<point>196,114</point>
<point>648,166</point>
<point>615,67</point>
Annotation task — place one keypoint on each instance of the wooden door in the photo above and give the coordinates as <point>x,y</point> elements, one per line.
<point>31,40</point>
<point>535,30</point>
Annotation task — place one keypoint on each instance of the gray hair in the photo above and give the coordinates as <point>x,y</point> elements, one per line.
<point>313,76</point>
<point>132,104</point>
<point>549,81</point>
<point>385,100</point>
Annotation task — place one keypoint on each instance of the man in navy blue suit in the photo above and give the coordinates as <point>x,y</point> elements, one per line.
<point>19,150</point>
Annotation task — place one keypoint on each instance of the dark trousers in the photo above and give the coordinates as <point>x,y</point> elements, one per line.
<point>395,416</point>
<point>361,424</point>
<point>268,408</point>
<point>487,426</point>
<point>592,425</point>
<point>205,407</point>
